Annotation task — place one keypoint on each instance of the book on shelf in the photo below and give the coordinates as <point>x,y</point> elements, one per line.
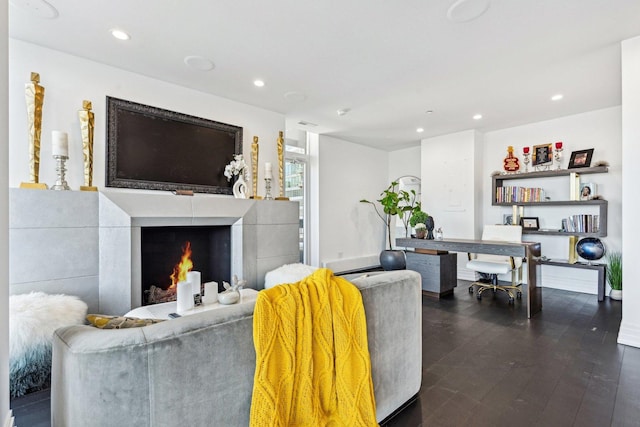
<point>514,194</point>
<point>581,223</point>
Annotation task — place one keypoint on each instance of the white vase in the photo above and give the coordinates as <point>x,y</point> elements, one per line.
<point>615,294</point>
<point>240,187</point>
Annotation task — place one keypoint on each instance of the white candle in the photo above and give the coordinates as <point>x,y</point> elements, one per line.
<point>194,278</point>
<point>210,293</point>
<point>267,170</point>
<point>60,143</point>
<point>184,297</point>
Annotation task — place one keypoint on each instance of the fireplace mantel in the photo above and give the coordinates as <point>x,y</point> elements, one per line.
<point>88,244</point>
<point>264,235</point>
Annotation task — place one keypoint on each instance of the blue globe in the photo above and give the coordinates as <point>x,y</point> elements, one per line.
<point>590,248</point>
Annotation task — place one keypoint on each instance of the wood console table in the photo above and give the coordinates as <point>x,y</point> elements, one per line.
<point>530,251</point>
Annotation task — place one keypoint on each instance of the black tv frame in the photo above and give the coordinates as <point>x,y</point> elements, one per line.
<point>116,106</point>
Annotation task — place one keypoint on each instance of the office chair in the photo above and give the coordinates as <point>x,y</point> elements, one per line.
<point>493,265</point>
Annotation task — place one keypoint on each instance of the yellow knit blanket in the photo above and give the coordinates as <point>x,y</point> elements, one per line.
<point>312,359</point>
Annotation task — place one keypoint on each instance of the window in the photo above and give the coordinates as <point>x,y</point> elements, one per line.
<point>295,188</point>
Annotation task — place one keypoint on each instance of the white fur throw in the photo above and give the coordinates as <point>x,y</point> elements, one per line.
<point>33,318</point>
<point>288,273</point>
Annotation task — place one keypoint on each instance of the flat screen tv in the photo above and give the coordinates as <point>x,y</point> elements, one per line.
<point>154,149</point>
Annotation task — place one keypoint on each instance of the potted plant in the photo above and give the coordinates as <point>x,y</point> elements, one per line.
<point>419,217</point>
<point>421,230</point>
<point>614,274</point>
<point>394,202</point>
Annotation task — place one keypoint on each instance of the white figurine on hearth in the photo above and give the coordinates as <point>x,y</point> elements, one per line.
<point>231,295</point>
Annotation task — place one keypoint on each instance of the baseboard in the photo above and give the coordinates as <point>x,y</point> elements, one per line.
<point>466,274</point>
<point>629,334</point>
<point>10,420</point>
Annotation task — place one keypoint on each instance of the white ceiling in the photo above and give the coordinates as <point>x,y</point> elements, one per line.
<point>388,61</point>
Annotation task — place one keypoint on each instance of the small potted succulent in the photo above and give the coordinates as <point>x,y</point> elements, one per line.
<point>419,217</point>
<point>421,230</point>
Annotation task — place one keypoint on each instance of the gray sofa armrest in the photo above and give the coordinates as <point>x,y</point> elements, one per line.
<point>393,307</point>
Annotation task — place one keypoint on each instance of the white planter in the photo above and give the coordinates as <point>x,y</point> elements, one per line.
<point>615,294</point>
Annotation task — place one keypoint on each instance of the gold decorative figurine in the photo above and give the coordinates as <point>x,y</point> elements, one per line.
<point>34,94</point>
<point>281,166</point>
<point>254,167</point>
<point>86,117</point>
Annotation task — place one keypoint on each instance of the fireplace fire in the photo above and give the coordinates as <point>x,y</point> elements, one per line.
<point>156,294</point>
<point>168,253</point>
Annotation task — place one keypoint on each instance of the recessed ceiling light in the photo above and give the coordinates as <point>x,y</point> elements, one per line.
<point>295,96</point>
<point>343,111</point>
<point>420,130</point>
<point>467,10</point>
<point>429,111</point>
<point>557,97</point>
<point>199,63</point>
<point>39,8</point>
<point>120,34</point>
<point>477,117</point>
<point>258,83</point>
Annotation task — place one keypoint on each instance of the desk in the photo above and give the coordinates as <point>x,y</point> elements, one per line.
<point>530,251</point>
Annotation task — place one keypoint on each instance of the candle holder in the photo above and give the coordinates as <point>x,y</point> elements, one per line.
<point>61,183</point>
<point>558,157</point>
<point>526,159</point>
<point>267,189</point>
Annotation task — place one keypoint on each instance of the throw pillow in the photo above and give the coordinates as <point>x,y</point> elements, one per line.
<point>33,318</point>
<point>288,273</point>
<point>119,322</point>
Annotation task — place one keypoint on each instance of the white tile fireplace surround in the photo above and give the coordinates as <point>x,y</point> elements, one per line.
<point>88,244</point>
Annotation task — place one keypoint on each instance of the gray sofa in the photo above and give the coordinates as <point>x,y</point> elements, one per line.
<point>198,370</point>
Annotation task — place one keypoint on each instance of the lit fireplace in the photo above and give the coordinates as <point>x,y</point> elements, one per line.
<point>157,294</point>
<point>168,253</point>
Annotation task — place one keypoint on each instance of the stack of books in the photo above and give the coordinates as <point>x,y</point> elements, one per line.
<point>519,194</point>
<point>581,224</point>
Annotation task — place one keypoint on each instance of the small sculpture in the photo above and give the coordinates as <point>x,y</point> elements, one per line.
<point>430,225</point>
<point>511,164</point>
<point>231,295</point>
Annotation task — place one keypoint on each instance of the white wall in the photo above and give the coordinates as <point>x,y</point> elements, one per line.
<point>404,162</point>
<point>630,325</point>
<point>4,220</point>
<point>450,167</point>
<point>350,172</point>
<point>68,80</point>
<point>599,130</point>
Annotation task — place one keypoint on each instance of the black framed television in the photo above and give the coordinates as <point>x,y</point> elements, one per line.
<point>151,148</point>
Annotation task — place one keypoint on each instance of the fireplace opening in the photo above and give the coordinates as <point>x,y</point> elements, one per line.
<point>208,248</point>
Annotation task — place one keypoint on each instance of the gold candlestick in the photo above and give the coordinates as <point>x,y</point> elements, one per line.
<point>86,117</point>
<point>34,95</point>
<point>254,167</point>
<point>281,166</point>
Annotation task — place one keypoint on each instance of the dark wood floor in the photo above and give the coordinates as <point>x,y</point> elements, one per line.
<point>485,364</point>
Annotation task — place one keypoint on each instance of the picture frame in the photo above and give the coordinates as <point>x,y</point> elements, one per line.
<point>580,159</point>
<point>529,223</point>
<point>588,190</point>
<point>542,154</point>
